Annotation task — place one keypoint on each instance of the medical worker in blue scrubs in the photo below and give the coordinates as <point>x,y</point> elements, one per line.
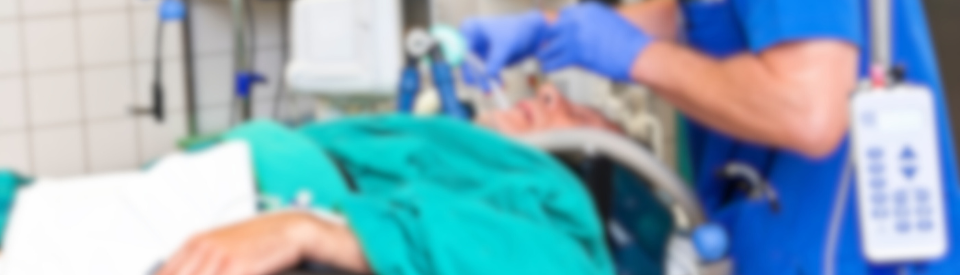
<point>765,82</point>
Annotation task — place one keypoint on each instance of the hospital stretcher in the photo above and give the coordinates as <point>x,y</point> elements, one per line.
<point>668,188</point>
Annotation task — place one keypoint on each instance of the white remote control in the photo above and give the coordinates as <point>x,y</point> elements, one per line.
<point>899,186</point>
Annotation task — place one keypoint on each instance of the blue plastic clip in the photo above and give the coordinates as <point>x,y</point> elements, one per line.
<point>245,81</point>
<point>172,10</point>
<point>711,242</point>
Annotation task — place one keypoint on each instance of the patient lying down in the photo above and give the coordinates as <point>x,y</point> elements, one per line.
<point>275,242</point>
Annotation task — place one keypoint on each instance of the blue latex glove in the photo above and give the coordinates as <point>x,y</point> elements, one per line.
<point>502,41</point>
<point>594,37</point>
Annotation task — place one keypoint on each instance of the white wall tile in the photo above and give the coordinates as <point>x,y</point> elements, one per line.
<point>263,108</point>
<point>105,38</point>
<point>214,79</point>
<point>108,92</point>
<point>159,139</point>
<point>8,8</point>
<point>145,36</point>
<point>58,151</point>
<point>54,98</point>
<point>12,104</point>
<point>50,43</point>
<point>174,85</point>
<point>99,5</point>
<point>268,23</point>
<point>10,51</point>
<point>270,63</point>
<point>112,145</point>
<point>144,4</point>
<point>46,7</point>
<point>15,152</point>
<point>215,119</point>
<point>454,12</point>
<point>212,32</point>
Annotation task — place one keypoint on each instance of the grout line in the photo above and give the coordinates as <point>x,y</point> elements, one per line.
<point>27,113</point>
<point>134,67</point>
<point>219,52</point>
<point>74,123</point>
<point>21,17</point>
<point>85,151</point>
<point>111,65</point>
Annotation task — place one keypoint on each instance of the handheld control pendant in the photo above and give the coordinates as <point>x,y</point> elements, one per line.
<point>899,185</point>
<point>896,155</point>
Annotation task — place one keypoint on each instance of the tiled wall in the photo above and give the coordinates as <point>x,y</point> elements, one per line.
<point>213,50</point>
<point>70,72</point>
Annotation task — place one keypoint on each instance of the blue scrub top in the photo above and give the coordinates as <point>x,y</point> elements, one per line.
<point>791,241</point>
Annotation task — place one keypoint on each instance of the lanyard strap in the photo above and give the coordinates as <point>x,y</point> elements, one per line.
<point>881,42</point>
<point>881,32</point>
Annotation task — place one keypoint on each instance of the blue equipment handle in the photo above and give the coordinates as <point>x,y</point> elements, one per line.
<point>409,87</point>
<point>446,87</point>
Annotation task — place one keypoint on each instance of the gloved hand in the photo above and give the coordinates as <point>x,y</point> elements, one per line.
<point>502,41</point>
<point>594,37</point>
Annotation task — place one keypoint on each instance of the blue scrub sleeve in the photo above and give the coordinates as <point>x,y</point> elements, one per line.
<point>768,23</point>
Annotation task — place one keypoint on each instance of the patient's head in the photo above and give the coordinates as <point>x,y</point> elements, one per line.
<point>548,110</point>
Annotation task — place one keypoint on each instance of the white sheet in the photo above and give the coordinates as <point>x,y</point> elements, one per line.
<point>127,223</point>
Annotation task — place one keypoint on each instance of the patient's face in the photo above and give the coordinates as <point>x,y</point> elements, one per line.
<point>547,111</point>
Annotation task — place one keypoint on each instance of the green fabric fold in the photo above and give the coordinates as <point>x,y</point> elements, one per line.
<point>9,182</point>
<point>438,196</point>
<point>288,164</point>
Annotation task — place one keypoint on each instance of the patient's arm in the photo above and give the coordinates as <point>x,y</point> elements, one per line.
<point>269,244</point>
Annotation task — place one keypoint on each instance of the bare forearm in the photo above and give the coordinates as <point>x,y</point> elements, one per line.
<point>658,18</point>
<point>748,99</point>
<point>335,245</point>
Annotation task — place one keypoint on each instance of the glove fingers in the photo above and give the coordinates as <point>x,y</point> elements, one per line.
<point>555,55</point>
<point>477,39</point>
<point>473,77</point>
<point>496,60</point>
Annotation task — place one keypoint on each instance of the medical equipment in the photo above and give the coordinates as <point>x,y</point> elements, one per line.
<point>409,86</point>
<point>696,246</point>
<point>345,47</point>
<point>445,83</point>
<point>895,152</point>
<point>895,158</point>
<point>423,46</point>
<point>169,11</point>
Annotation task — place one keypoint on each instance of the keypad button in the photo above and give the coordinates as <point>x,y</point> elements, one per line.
<point>900,197</point>
<point>878,183</point>
<point>909,171</point>
<point>878,198</point>
<point>879,213</point>
<point>876,169</point>
<point>909,167</point>
<point>925,225</point>
<point>922,195</point>
<point>907,154</point>
<point>875,153</point>
<point>903,227</point>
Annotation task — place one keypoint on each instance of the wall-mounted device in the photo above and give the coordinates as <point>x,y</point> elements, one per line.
<point>345,47</point>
